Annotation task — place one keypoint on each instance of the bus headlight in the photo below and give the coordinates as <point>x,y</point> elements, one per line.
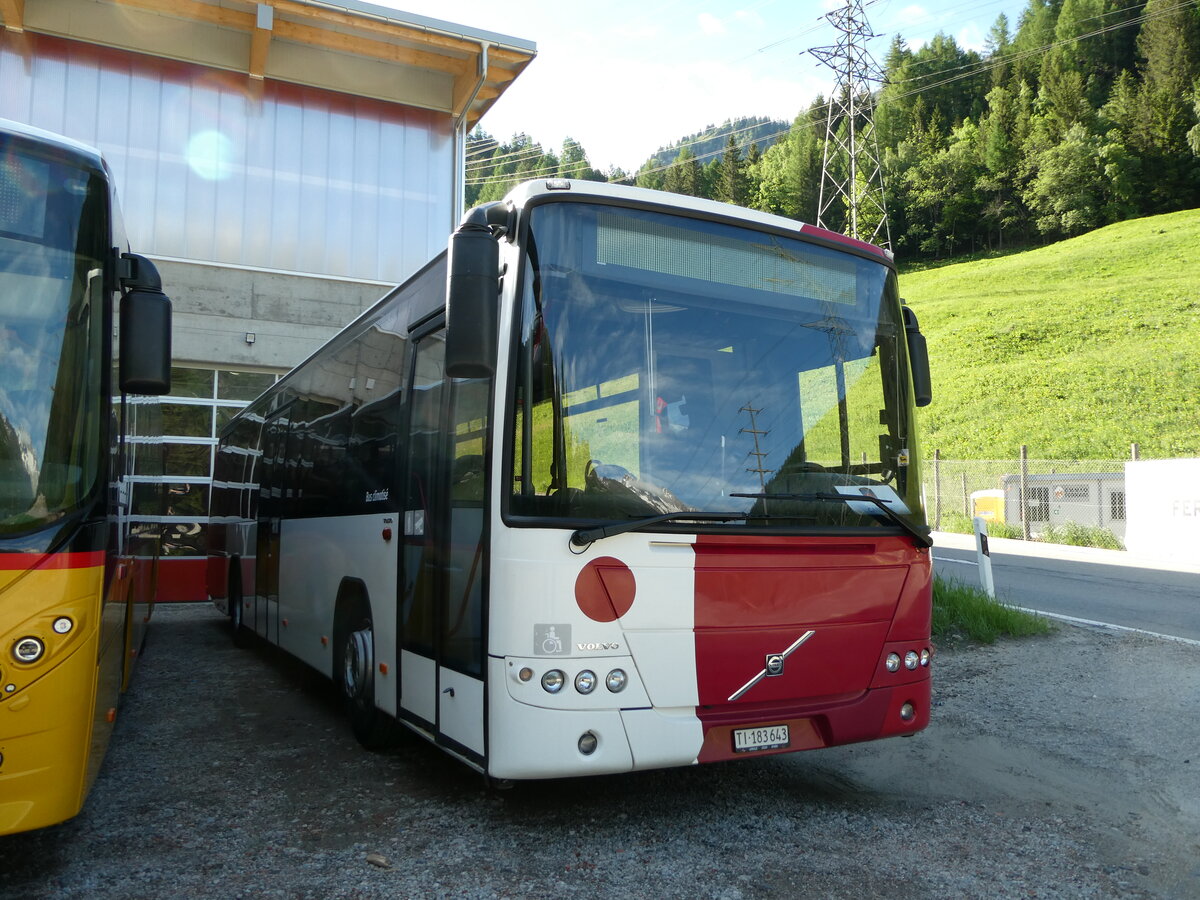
<point>616,680</point>
<point>28,650</point>
<point>62,625</point>
<point>893,662</point>
<point>911,660</point>
<point>585,681</point>
<point>553,681</point>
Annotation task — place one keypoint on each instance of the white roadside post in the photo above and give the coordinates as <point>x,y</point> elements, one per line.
<point>985,557</point>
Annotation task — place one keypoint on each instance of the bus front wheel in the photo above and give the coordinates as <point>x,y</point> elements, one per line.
<point>356,677</point>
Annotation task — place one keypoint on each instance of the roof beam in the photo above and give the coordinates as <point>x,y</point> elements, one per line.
<point>388,27</point>
<point>201,12</point>
<point>13,13</point>
<point>368,47</point>
<point>260,40</point>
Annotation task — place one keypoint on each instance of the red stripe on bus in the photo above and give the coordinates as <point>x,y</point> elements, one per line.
<point>25,561</point>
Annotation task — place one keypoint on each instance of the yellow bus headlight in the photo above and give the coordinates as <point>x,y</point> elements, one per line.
<point>28,650</point>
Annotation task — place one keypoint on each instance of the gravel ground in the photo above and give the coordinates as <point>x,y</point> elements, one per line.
<point>1066,766</point>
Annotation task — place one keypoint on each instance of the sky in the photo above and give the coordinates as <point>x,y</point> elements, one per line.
<point>627,77</point>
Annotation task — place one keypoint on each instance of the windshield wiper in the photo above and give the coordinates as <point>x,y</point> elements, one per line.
<point>920,538</point>
<point>585,536</point>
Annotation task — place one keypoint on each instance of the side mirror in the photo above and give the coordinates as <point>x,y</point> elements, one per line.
<point>472,298</point>
<point>918,359</point>
<point>145,351</point>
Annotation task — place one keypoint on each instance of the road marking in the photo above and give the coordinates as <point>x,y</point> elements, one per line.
<point>1109,625</point>
<point>963,562</point>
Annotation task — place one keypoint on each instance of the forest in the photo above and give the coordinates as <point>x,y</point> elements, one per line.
<point>1083,114</point>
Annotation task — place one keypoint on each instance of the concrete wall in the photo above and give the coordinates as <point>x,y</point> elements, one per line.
<point>290,316</point>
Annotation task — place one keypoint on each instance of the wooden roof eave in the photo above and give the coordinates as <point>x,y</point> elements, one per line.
<point>369,35</point>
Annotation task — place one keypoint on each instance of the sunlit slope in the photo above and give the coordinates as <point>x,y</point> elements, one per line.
<point>1077,350</point>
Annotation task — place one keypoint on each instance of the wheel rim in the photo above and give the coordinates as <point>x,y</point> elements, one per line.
<point>358,662</point>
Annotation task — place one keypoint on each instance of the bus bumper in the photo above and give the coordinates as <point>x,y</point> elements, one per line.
<point>531,741</point>
<point>877,713</point>
<point>45,735</point>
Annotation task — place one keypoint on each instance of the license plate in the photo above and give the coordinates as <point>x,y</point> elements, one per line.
<point>764,737</point>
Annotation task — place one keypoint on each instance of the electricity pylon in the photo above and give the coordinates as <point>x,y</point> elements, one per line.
<point>850,168</point>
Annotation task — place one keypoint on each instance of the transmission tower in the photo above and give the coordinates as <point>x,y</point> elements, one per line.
<point>758,453</point>
<point>851,173</point>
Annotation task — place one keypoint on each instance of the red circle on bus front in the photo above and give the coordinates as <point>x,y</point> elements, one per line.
<point>605,589</point>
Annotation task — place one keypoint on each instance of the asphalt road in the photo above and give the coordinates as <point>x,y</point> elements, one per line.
<point>1106,586</point>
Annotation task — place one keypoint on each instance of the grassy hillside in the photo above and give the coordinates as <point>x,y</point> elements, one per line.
<point>1078,349</point>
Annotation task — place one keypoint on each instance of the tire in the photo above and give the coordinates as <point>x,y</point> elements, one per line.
<point>355,675</point>
<point>237,629</point>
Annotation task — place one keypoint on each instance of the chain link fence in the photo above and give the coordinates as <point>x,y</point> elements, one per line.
<point>1079,501</point>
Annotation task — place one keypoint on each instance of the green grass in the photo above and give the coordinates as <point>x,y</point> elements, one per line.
<point>963,611</point>
<point>1082,536</point>
<point>1068,533</point>
<point>1077,349</point>
<point>957,523</point>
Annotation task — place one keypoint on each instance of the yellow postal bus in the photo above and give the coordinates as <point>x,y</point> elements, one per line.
<point>83,326</point>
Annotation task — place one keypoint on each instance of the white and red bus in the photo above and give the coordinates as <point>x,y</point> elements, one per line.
<point>623,480</point>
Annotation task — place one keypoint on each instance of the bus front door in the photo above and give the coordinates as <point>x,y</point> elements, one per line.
<point>444,554</point>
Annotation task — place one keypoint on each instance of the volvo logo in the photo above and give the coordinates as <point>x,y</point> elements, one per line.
<point>772,666</point>
<point>595,646</point>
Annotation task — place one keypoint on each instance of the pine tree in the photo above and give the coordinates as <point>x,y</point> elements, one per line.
<point>729,183</point>
<point>684,175</point>
<point>789,173</point>
<point>1169,43</point>
<point>998,47</point>
<point>1035,32</point>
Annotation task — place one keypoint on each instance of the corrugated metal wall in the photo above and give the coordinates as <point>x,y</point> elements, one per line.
<point>212,166</point>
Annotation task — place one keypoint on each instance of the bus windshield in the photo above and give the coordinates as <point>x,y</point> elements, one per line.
<point>53,240</point>
<point>669,364</point>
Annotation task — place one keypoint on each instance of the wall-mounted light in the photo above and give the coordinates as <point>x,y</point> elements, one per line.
<point>250,337</point>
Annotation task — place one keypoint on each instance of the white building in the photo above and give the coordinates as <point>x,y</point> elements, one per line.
<point>1164,509</point>
<point>283,163</point>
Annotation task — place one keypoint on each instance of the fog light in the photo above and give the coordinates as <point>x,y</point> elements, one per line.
<point>893,662</point>
<point>588,743</point>
<point>62,625</point>
<point>925,657</point>
<point>28,650</point>
<point>911,660</point>
<point>525,674</point>
<point>907,712</point>
<point>585,681</point>
<point>553,681</point>
<point>616,681</point>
